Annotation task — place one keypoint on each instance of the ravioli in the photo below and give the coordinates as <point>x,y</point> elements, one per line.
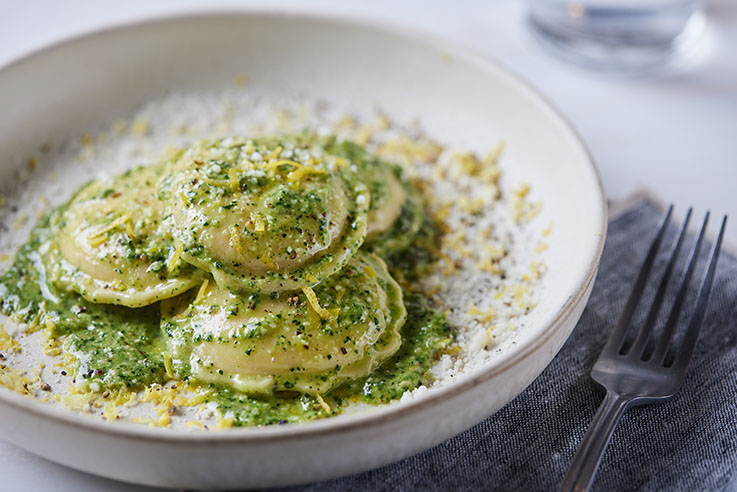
<point>308,342</point>
<point>264,215</point>
<point>395,213</point>
<point>105,244</point>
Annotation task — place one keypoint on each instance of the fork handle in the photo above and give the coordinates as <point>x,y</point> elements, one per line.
<point>586,460</point>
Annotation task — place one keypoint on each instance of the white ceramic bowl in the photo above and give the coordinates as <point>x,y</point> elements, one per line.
<point>72,86</point>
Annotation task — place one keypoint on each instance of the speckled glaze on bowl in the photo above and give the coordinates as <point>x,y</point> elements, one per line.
<point>64,89</point>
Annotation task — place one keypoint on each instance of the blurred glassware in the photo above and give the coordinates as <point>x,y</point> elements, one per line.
<point>617,35</point>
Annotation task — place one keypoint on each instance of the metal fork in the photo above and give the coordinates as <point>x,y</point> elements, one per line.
<point>644,371</point>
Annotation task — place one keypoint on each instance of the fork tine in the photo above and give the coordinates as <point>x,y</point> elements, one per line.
<point>694,326</point>
<point>640,343</point>
<point>669,329</point>
<point>617,337</point>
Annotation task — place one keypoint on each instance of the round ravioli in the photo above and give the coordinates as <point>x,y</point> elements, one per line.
<point>105,243</point>
<point>309,341</point>
<point>396,212</point>
<point>265,215</point>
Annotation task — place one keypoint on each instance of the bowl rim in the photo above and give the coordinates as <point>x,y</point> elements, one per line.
<point>391,411</point>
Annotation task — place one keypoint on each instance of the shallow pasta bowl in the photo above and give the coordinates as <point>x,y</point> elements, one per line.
<point>69,87</point>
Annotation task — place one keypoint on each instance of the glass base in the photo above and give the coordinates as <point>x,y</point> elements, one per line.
<point>616,41</point>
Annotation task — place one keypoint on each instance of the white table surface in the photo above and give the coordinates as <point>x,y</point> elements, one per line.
<point>674,132</point>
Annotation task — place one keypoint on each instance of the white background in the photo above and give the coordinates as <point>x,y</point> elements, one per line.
<point>674,132</point>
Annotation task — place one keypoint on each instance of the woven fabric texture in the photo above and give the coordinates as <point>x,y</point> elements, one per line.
<point>687,443</point>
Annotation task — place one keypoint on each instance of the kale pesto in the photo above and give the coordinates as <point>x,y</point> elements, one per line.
<point>342,326</point>
<point>116,346</point>
<point>425,335</point>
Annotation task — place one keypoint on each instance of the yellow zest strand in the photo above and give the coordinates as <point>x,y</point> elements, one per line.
<point>97,241</point>
<point>274,153</point>
<point>235,182</point>
<point>117,222</point>
<point>296,174</point>
<point>167,364</point>
<point>174,260</point>
<point>485,316</point>
<point>274,166</point>
<point>235,240</point>
<point>315,304</point>
<point>129,229</point>
<point>259,224</point>
<point>7,342</point>
<point>202,292</point>
<point>323,404</point>
<point>14,380</point>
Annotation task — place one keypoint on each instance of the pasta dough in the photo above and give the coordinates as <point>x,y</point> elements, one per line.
<point>265,215</point>
<point>396,213</point>
<point>307,342</point>
<point>106,243</point>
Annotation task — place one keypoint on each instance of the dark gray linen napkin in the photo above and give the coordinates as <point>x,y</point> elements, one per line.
<point>688,443</point>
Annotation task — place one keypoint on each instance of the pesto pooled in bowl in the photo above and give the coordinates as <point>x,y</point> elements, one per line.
<point>251,273</point>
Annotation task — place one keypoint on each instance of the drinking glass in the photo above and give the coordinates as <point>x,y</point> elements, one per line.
<point>617,35</point>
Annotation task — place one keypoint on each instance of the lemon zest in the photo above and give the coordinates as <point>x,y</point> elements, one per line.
<point>167,363</point>
<point>315,304</point>
<point>485,316</point>
<point>201,292</point>
<point>7,342</point>
<point>111,411</point>
<point>259,224</point>
<point>14,380</point>
<point>112,225</point>
<point>175,257</point>
<point>296,174</point>
<point>235,240</point>
<point>129,229</point>
<point>323,404</point>
<point>235,182</point>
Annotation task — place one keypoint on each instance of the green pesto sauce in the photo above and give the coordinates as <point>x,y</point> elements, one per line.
<point>414,261</point>
<point>283,408</point>
<point>113,345</point>
<point>425,335</point>
<point>119,347</point>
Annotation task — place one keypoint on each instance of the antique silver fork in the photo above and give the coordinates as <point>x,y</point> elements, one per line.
<point>649,369</point>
